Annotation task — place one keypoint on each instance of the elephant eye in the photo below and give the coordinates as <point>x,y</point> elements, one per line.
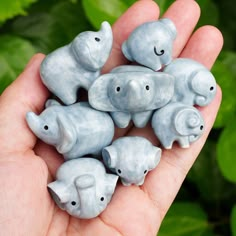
<point>201,127</point>
<point>118,89</point>
<point>147,87</point>
<point>97,39</point>
<point>73,203</point>
<point>145,172</point>
<point>119,171</point>
<point>102,199</point>
<point>211,88</point>
<point>45,127</point>
<point>159,53</point>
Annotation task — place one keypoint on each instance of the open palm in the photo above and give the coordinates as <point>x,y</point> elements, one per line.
<point>27,165</point>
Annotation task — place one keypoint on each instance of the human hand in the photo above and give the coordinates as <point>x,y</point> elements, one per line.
<point>27,164</point>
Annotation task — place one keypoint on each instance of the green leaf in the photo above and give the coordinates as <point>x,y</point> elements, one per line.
<point>184,219</point>
<point>225,75</point>
<point>50,30</point>
<point>163,5</point>
<point>103,10</point>
<point>206,175</point>
<point>233,221</point>
<point>14,54</point>
<point>209,13</point>
<point>226,154</point>
<point>11,8</point>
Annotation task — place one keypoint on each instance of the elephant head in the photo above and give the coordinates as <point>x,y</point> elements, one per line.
<point>189,122</point>
<point>131,162</point>
<point>203,85</point>
<point>131,91</point>
<point>151,44</point>
<point>53,128</point>
<point>92,49</point>
<point>94,196</point>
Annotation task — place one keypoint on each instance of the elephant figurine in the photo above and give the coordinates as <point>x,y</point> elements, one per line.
<point>82,187</point>
<point>77,64</point>
<point>74,130</point>
<point>131,94</point>
<point>194,83</point>
<point>177,122</point>
<point>131,158</point>
<point>151,44</point>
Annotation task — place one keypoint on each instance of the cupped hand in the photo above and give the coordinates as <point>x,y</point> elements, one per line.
<point>27,165</point>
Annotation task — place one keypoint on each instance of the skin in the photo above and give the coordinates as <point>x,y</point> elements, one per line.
<point>27,165</point>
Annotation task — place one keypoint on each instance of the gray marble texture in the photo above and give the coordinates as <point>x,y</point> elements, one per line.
<point>131,95</point>
<point>74,130</point>
<point>177,122</point>
<point>131,158</point>
<point>151,44</point>
<point>194,83</point>
<point>82,187</point>
<point>77,64</point>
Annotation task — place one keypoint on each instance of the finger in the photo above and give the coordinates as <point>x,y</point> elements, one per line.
<point>26,93</point>
<point>185,15</point>
<point>175,163</point>
<point>201,47</point>
<point>137,14</point>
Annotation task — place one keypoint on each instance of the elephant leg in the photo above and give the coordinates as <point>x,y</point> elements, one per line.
<point>140,119</point>
<point>121,119</point>
<point>183,142</point>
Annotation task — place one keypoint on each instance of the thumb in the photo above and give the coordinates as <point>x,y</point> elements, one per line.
<point>26,93</point>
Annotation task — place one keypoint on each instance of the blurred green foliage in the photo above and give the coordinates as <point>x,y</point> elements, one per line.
<point>206,203</point>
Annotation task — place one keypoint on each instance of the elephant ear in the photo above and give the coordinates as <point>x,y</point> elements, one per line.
<point>67,134</point>
<point>155,157</point>
<point>126,51</point>
<point>51,102</point>
<point>98,93</point>
<point>59,193</point>
<point>185,120</point>
<point>170,27</point>
<point>201,80</point>
<point>109,155</point>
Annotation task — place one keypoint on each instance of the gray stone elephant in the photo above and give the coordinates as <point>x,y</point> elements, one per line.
<point>131,158</point>
<point>77,64</point>
<point>131,95</point>
<point>177,122</point>
<point>82,187</point>
<point>74,130</point>
<point>151,44</point>
<point>194,83</point>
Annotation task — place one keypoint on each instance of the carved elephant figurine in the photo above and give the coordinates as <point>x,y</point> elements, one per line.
<point>131,158</point>
<point>82,187</point>
<point>74,130</point>
<point>77,64</point>
<point>151,44</point>
<point>131,94</point>
<point>194,83</point>
<point>177,122</point>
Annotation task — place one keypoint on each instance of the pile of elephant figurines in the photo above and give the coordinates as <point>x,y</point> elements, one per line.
<point>157,89</point>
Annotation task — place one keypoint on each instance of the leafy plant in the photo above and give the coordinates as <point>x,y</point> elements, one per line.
<point>206,203</point>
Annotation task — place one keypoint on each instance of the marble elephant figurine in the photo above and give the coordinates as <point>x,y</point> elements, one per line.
<point>74,130</point>
<point>151,44</point>
<point>194,83</point>
<point>131,158</point>
<point>82,187</point>
<point>131,95</point>
<point>177,122</point>
<point>77,64</point>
